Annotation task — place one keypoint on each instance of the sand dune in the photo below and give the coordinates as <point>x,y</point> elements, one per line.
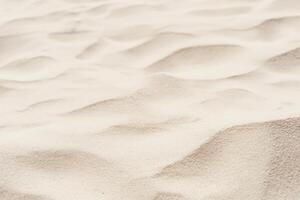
<point>149,100</point>
<point>269,149</point>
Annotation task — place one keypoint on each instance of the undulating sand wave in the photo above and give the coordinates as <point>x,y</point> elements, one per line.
<point>149,100</point>
<point>285,62</point>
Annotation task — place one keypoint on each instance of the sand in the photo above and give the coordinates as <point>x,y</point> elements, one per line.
<point>149,100</point>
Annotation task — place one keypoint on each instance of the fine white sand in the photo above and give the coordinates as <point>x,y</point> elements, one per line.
<point>149,100</point>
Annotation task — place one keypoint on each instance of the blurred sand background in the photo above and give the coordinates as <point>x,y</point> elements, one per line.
<point>149,100</point>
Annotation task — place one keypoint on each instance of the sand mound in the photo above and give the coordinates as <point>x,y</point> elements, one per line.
<point>272,144</point>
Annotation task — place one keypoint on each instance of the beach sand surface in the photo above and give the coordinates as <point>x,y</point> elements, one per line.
<point>149,100</point>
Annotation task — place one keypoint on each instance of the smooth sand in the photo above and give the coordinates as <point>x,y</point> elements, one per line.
<point>149,100</point>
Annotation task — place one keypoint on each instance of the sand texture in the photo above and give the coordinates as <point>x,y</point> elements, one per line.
<point>149,100</point>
